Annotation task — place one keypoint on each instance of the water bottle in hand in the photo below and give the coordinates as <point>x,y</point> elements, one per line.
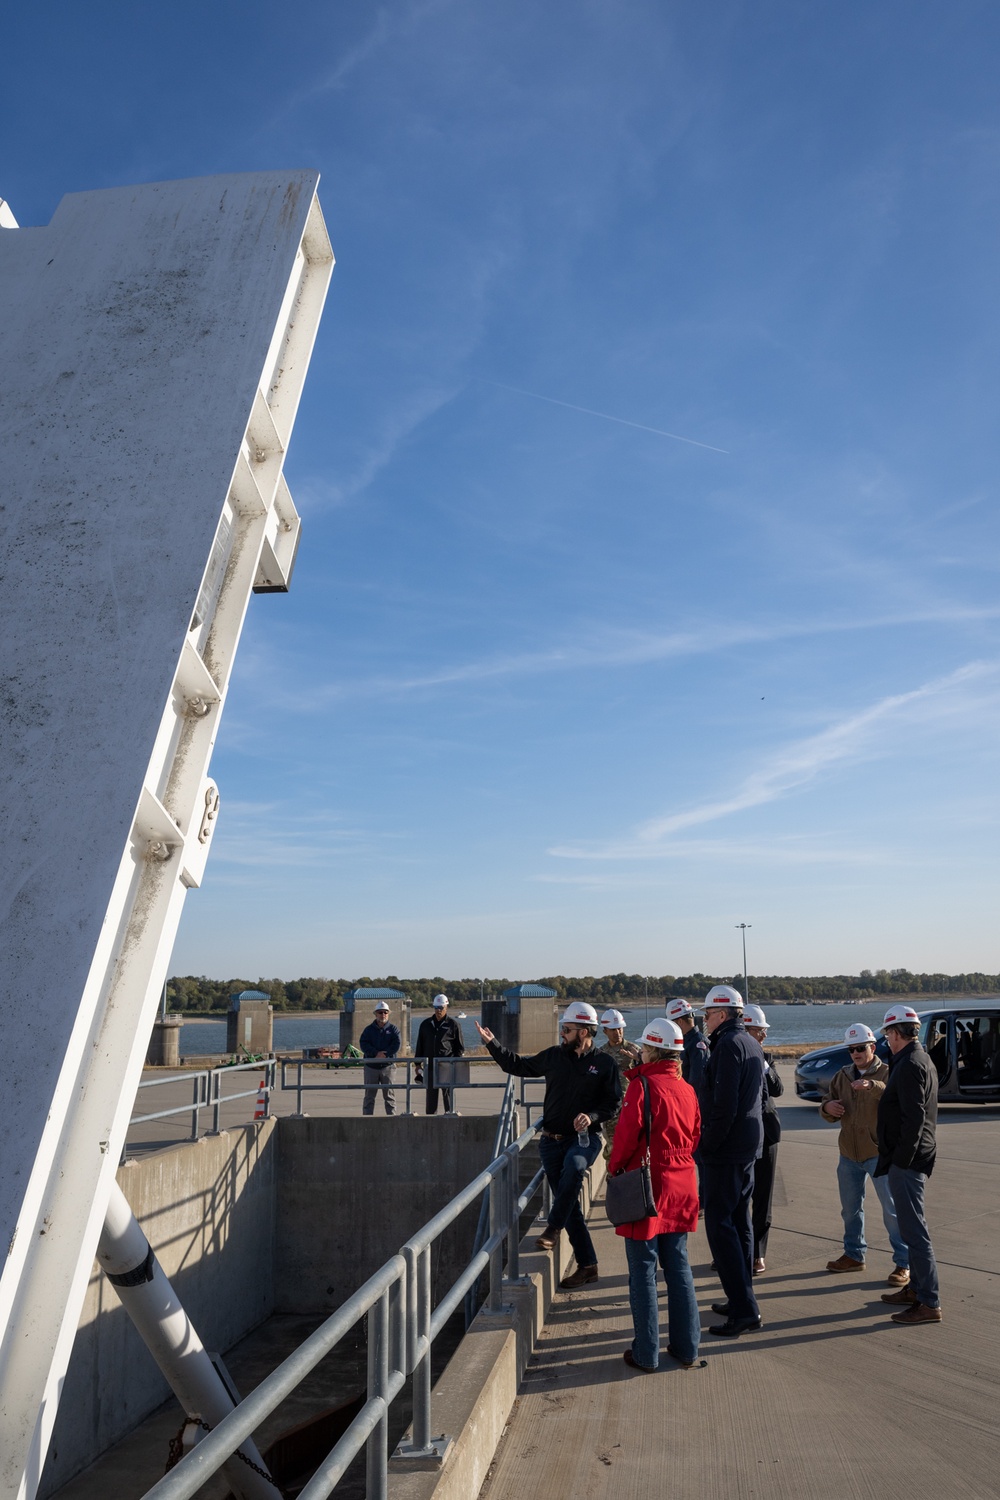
<point>583,1138</point>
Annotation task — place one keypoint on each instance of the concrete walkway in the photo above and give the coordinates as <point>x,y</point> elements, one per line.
<point>831,1401</point>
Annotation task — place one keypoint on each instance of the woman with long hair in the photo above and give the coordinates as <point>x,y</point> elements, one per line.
<point>674,1132</point>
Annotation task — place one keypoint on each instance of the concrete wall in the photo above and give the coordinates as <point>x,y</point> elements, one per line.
<point>280,1216</point>
<point>208,1211</point>
<point>351,1191</point>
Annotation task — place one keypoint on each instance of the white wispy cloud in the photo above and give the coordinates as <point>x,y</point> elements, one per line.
<point>800,763</point>
<point>614,648</point>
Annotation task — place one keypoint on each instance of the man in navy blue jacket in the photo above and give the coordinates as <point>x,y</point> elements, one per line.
<point>732,1136</point>
<point>379,1042</point>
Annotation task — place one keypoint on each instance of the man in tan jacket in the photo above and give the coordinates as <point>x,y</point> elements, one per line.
<point>852,1101</point>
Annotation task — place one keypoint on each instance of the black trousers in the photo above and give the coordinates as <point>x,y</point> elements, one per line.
<point>432,1100</point>
<point>763,1193</point>
<point>727,1187</point>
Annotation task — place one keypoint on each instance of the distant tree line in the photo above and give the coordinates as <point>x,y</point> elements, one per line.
<point>190,993</point>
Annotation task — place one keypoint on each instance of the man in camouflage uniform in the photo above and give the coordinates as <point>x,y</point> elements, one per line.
<point>625,1054</point>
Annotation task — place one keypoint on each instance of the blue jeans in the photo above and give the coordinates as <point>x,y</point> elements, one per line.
<point>683,1321</point>
<point>851,1179</point>
<point>565,1164</point>
<point>908,1195</point>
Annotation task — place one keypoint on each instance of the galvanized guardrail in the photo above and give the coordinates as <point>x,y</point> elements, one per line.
<point>402,1327</point>
<point>442,1073</point>
<point>206,1093</point>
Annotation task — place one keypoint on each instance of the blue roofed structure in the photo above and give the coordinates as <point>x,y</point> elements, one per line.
<point>372,992</point>
<point>529,992</point>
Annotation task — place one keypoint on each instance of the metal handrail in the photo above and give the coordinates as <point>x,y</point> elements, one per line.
<point>207,1093</point>
<point>298,1087</point>
<point>402,1327</point>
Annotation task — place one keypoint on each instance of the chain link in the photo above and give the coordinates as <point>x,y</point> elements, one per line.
<point>175,1451</point>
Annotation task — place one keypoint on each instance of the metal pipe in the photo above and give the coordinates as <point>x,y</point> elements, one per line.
<point>127,1258</point>
<point>422,1367</point>
<point>377,1447</point>
<point>494,1300</point>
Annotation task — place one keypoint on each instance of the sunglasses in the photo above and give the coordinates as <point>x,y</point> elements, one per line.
<point>860,1049</point>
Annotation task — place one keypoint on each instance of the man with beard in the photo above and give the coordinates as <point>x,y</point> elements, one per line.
<point>582,1090</point>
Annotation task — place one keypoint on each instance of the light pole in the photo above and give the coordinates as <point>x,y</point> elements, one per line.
<point>742,927</point>
<point>646,982</point>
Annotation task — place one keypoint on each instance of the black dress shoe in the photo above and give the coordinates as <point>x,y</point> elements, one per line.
<point>733,1327</point>
<point>634,1364</point>
<point>722,1308</point>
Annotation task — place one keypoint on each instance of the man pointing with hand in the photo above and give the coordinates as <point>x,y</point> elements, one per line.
<point>582,1089</point>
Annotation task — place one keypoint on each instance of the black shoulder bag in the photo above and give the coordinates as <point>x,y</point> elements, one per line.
<point>629,1195</point>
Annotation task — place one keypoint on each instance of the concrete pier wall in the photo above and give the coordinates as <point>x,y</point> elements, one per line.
<point>280,1216</point>
<point>351,1191</point>
<point>208,1211</point>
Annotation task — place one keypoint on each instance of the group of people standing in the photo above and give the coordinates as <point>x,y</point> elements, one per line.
<point>700,1111</point>
<point>439,1035</point>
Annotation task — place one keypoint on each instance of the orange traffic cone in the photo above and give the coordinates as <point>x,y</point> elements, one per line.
<point>260,1109</point>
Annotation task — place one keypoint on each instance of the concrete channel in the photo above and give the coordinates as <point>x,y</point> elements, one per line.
<point>831,1401</point>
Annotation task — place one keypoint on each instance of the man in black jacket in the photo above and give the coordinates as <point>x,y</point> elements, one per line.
<point>439,1035</point>
<point>765,1166</point>
<point>582,1090</point>
<point>907,1118</point>
<point>732,1136</point>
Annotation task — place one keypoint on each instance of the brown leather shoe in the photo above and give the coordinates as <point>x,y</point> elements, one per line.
<point>580,1277</point>
<point>548,1240</point>
<point>898,1276</point>
<point>845,1263</point>
<point>918,1313</point>
<point>901,1298</point>
<point>759,1265</point>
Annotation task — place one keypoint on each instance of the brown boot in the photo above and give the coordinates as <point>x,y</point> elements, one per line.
<point>898,1276</point>
<point>901,1298</point>
<point>580,1277</point>
<point>845,1263</point>
<point>547,1240</point>
<point>918,1313</point>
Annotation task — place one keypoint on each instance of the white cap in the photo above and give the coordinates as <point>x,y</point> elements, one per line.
<point>899,1015</point>
<point>381,1005</point>
<point>613,1018</point>
<point>678,1008</point>
<point>754,1016</point>
<point>440,1001</point>
<point>663,1034</point>
<point>578,1013</point>
<point>722,994</point>
<point>858,1034</point>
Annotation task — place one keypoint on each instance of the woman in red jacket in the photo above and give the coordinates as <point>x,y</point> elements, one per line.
<point>674,1134</point>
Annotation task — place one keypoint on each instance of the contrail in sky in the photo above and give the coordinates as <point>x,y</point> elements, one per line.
<point>604,416</point>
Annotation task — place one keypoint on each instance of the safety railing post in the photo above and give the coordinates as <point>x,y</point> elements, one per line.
<point>513,1217</point>
<point>198,1084</point>
<point>422,1366</point>
<point>377,1445</point>
<point>215,1099</point>
<point>298,1090</point>
<point>494,1300</point>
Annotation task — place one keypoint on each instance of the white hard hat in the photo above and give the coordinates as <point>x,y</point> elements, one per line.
<point>858,1034</point>
<point>440,1001</point>
<point>381,1005</point>
<point>578,1013</point>
<point>678,1008</point>
<point>613,1018</point>
<point>899,1015</point>
<point>663,1034</point>
<point>722,994</point>
<point>754,1016</point>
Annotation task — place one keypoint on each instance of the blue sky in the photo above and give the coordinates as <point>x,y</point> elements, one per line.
<point>647,463</point>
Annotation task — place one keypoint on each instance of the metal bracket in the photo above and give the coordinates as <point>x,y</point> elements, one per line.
<point>430,1457</point>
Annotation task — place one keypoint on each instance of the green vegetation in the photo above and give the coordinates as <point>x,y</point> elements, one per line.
<point>212,995</point>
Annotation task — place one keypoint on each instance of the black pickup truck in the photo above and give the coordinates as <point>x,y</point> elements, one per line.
<point>964,1045</point>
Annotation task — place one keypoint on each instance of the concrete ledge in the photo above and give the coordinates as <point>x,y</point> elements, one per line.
<point>474,1397</point>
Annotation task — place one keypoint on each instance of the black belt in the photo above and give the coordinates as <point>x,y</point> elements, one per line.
<point>551,1135</point>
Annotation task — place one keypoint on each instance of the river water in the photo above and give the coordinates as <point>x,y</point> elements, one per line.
<point>789,1024</point>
